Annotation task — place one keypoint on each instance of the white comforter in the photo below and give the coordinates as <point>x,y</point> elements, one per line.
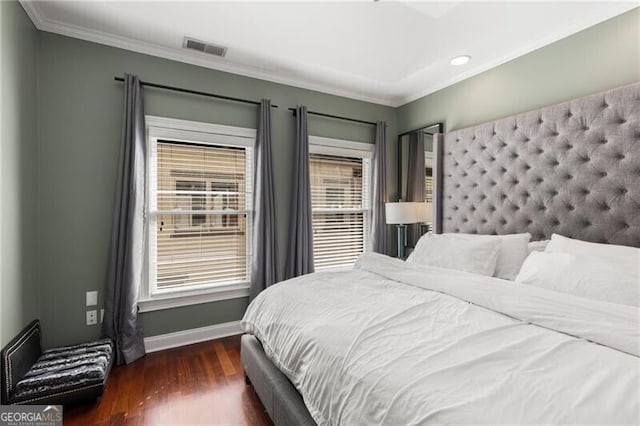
<point>392,343</point>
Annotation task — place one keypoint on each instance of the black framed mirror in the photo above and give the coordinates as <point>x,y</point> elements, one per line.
<point>407,143</point>
<point>415,170</point>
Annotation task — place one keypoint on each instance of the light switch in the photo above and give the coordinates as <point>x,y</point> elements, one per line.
<point>92,298</point>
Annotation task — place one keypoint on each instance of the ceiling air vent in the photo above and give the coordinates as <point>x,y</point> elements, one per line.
<point>201,46</point>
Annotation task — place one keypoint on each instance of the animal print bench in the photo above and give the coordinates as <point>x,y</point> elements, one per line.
<point>56,376</point>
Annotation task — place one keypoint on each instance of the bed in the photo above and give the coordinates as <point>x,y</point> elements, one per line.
<point>392,342</point>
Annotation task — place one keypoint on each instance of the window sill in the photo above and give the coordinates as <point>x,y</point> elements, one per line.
<point>193,297</point>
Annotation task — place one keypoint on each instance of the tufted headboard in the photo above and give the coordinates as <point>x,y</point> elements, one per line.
<point>571,168</point>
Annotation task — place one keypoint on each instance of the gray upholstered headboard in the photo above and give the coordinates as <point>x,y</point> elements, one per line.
<point>571,168</point>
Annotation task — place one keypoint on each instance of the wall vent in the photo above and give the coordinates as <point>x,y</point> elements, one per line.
<point>201,46</point>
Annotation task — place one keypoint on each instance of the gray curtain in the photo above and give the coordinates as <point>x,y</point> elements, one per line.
<point>264,264</point>
<point>378,222</point>
<point>300,249</point>
<point>416,167</point>
<point>126,253</point>
<point>415,180</point>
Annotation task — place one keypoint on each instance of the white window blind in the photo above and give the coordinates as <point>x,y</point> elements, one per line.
<point>428,176</point>
<point>199,214</point>
<point>340,206</point>
<point>428,185</point>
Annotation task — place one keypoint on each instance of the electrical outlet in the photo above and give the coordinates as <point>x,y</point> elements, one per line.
<point>92,317</point>
<point>92,298</point>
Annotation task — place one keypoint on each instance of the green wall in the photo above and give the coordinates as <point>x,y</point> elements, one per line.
<point>59,153</point>
<point>596,59</point>
<point>18,173</point>
<point>80,126</point>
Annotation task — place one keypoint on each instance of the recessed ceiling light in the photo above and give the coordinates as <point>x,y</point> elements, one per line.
<point>460,60</point>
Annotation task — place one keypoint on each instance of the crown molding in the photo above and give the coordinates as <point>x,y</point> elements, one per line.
<point>33,12</point>
<point>42,23</point>
<point>538,44</point>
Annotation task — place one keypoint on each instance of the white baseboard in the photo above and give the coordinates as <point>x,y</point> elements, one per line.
<point>189,337</point>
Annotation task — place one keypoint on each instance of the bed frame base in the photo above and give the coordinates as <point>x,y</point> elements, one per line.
<point>280,398</point>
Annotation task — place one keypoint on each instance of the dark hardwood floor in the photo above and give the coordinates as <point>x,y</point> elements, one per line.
<point>196,384</point>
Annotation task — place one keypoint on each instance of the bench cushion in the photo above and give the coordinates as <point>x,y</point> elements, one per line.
<point>66,373</point>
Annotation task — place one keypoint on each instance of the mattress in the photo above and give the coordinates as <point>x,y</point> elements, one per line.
<point>393,343</point>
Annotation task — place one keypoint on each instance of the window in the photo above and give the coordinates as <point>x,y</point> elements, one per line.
<point>340,194</point>
<point>428,176</point>
<point>189,196</point>
<point>428,185</point>
<point>199,209</point>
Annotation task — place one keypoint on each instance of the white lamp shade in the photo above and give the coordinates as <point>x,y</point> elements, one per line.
<point>423,212</point>
<point>401,213</point>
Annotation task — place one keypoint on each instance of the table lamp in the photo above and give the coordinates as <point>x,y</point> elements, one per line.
<point>401,214</point>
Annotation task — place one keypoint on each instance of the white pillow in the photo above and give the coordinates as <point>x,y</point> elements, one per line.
<point>622,256</point>
<point>581,275</point>
<point>513,251</point>
<point>477,255</point>
<point>538,245</point>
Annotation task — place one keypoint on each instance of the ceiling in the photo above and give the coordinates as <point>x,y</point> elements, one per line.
<point>383,52</point>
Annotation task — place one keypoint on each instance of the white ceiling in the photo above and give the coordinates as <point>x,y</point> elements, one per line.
<point>383,52</point>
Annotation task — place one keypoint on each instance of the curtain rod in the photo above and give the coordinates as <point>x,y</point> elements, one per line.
<point>196,92</point>
<point>439,124</point>
<point>337,117</point>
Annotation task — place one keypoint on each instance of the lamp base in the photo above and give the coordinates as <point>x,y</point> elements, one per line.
<point>402,241</point>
